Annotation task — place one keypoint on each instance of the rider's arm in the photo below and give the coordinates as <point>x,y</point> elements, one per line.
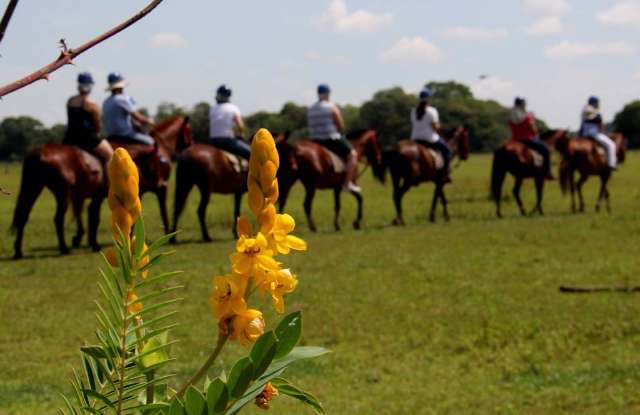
<point>237,120</point>
<point>337,119</point>
<point>435,119</point>
<point>94,109</point>
<point>534,126</point>
<point>139,118</point>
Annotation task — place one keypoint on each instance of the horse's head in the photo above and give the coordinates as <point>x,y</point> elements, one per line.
<point>458,140</point>
<point>174,134</point>
<point>366,144</point>
<point>286,152</point>
<point>551,137</point>
<point>621,146</point>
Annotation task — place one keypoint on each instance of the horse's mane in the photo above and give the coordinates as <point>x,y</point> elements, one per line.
<point>352,135</point>
<point>166,122</point>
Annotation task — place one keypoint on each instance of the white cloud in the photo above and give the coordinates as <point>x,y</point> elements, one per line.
<point>571,50</point>
<point>548,7</point>
<point>413,49</point>
<point>496,88</point>
<point>545,26</point>
<point>338,18</point>
<point>626,13</point>
<point>168,40</point>
<point>474,33</point>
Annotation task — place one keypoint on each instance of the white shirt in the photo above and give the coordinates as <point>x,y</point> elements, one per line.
<point>423,129</point>
<point>322,125</point>
<point>222,120</point>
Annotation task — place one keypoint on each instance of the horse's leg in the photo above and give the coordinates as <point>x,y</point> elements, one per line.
<point>398,193</point>
<point>600,193</point>
<point>434,202</point>
<point>94,222</point>
<point>539,180</point>
<point>516,194</point>
<point>237,203</point>
<point>572,187</point>
<point>606,192</point>
<point>29,192</point>
<point>357,222</point>
<point>161,194</point>
<point>183,187</point>
<point>581,181</point>
<point>310,192</point>
<point>445,203</point>
<point>61,209</point>
<point>205,195</point>
<point>77,206</point>
<point>284,195</point>
<point>336,207</point>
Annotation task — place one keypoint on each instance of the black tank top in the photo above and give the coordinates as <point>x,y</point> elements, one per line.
<point>82,130</point>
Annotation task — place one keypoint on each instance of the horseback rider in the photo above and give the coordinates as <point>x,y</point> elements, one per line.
<point>425,124</point>
<point>83,125</point>
<point>226,126</point>
<point>591,126</point>
<point>524,129</point>
<point>326,127</point>
<point>118,114</point>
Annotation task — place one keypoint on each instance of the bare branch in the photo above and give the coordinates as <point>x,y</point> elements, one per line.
<point>8,13</point>
<point>67,55</point>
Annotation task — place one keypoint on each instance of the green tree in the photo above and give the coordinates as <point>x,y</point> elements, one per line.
<point>388,113</point>
<point>167,110</point>
<point>627,121</point>
<point>200,121</point>
<point>19,134</point>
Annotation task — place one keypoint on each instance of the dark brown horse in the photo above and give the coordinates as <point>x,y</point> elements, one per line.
<point>585,156</point>
<point>516,158</point>
<point>73,175</point>
<point>317,168</point>
<point>212,170</point>
<point>411,163</point>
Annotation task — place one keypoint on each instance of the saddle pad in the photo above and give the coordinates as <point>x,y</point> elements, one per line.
<point>336,162</point>
<point>239,164</point>
<point>538,160</point>
<point>437,157</point>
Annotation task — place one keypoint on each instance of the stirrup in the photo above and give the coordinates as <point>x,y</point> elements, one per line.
<point>352,187</point>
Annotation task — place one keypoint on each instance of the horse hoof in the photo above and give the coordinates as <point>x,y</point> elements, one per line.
<point>17,255</point>
<point>207,238</point>
<point>447,218</point>
<point>432,219</point>
<point>313,229</point>
<point>65,251</point>
<point>75,242</point>
<point>96,247</point>
<point>337,227</point>
<point>356,225</point>
<point>173,240</point>
<point>396,222</point>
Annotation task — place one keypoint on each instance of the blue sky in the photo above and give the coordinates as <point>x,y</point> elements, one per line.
<point>554,52</point>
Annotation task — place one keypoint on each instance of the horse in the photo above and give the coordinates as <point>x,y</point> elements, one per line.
<point>213,170</point>
<point>318,168</point>
<point>588,158</point>
<point>73,175</point>
<point>522,162</point>
<point>411,164</point>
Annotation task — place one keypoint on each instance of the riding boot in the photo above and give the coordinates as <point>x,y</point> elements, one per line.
<point>351,172</point>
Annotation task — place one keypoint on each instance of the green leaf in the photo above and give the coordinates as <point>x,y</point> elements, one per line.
<point>176,407</point>
<point>286,388</point>
<point>97,352</point>
<point>239,377</point>
<point>253,391</point>
<point>194,402</point>
<point>157,357</point>
<point>95,395</point>
<point>262,353</point>
<point>217,397</point>
<point>138,232</point>
<point>288,333</point>
<point>159,243</point>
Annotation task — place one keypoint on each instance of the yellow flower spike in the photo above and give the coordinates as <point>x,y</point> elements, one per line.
<point>111,255</point>
<point>121,219</point>
<point>123,197</point>
<point>278,284</point>
<point>247,326</point>
<point>133,308</point>
<point>143,261</point>
<point>256,197</point>
<point>253,255</point>
<point>278,236</point>
<point>243,227</point>
<point>267,218</point>
<point>227,296</point>
<point>267,174</point>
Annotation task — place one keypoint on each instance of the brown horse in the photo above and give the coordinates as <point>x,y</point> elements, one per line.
<point>317,168</point>
<point>212,170</point>
<point>585,156</point>
<point>411,164</point>
<point>73,175</point>
<point>516,158</point>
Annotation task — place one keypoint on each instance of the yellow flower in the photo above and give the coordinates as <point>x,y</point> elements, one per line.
<point>247,326</point>
<point>227,296</point>
<point>133,308</point>
<point>278,284</point>
<point>279,238</point>
<point>112,256</point>
<point>252,256</point>
<point>268,392</point>
<point>123,192</point>
<point>263,166</point>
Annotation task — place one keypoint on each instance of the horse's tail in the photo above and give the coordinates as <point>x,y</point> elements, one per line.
<point>565,175</point>
<point>498,172</point>
<point>380,169</point>
<point>31,184</point>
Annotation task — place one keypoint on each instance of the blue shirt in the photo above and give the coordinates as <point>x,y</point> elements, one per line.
<point>116,115</point>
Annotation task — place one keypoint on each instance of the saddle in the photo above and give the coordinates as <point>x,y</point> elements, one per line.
<point>424,151</point>
<point>239,164</point>
<point>339,166</point>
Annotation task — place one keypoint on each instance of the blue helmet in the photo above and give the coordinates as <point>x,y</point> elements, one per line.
<point>520,102</point>
<point>85,78</point>
<point>426,93</point>
<point>594,101</point>
<point>323,89</point>
<point>115,77</point>
<point>223,91</point>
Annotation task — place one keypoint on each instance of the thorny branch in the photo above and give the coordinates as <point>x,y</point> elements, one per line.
<point>6,18</point>
<point>68,54</point>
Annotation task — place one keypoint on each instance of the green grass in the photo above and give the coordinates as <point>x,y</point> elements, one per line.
<point>459,317</point>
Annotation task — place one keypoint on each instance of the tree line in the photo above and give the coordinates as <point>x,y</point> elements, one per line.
<point>387,112</point>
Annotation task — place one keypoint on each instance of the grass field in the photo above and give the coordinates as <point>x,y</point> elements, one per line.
<point>462,317</point>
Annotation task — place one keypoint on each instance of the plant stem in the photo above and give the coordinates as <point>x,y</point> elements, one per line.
<point>222,340</point>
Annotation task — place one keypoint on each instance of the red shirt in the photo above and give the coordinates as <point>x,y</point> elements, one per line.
<point>524,129</point>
